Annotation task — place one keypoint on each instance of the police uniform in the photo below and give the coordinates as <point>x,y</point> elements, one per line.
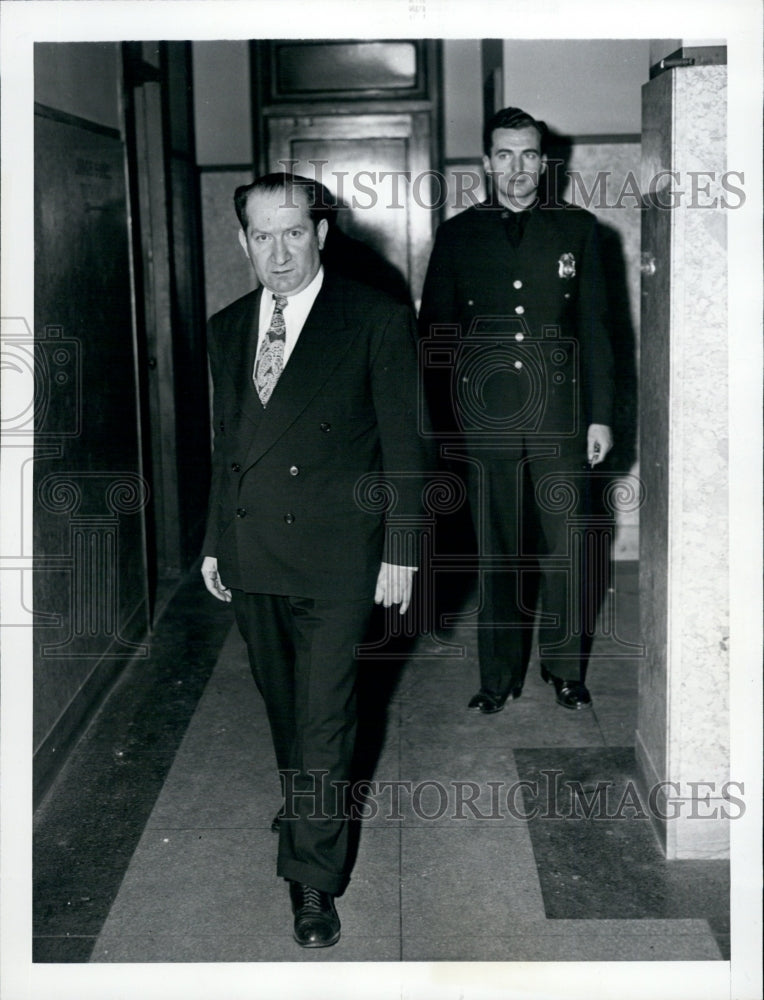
<point>518,350</point>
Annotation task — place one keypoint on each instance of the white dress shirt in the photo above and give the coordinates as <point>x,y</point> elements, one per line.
<point>295,313</point>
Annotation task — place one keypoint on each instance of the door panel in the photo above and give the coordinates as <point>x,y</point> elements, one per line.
<point>377,165</point>
<point>367,215</point>
<point>89,590</point>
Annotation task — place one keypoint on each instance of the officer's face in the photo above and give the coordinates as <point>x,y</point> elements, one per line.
<point>281,241</point>
<point>515,165</point>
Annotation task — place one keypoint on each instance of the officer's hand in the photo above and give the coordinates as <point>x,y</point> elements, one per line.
<point>394,584</point>
<point>212,581</point>
<point>599,441</point>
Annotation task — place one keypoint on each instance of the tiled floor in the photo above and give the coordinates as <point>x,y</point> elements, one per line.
<point>154,844</point>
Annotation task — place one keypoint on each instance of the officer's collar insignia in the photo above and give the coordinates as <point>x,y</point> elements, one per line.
<point>566,265</point>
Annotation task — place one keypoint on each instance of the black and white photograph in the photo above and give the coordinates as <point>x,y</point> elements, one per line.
<point>433,330</point>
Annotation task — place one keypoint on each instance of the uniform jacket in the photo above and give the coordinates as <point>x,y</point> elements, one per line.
<point>286,515</point>
<point>525,327</point>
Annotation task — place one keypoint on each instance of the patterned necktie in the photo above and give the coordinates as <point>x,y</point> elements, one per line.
<point>270,360</point>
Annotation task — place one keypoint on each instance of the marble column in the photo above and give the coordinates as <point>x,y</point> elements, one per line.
<point>683,721</point>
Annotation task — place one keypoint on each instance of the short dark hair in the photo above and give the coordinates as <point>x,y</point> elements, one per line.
<point>321,203</point>
<point>513,118</point>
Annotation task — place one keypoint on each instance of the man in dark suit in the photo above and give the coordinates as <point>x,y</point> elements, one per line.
<point>514,298</point>
<point>315,390</point>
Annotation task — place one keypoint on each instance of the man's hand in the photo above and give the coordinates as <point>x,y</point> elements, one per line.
<point>599,441</point>
<point>394,586</point>
<point>212,581</point>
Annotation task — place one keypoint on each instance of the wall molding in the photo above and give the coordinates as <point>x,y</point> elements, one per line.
<point>222,168</point>
<point>45,111</point>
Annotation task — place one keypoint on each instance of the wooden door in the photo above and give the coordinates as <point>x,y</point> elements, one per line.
<point>377,167</point>
<point>361,118</point>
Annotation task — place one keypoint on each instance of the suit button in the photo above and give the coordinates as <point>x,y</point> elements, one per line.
<point>518,364</point>
<point>326,427</point>
<point>470,302</point>
<point>289,518</point>
<point>519,336</point>
<point>294,471</point>
<point>241,512</point>
<point>235,467</point>
<point>519,310</point>
<point>517,283</point>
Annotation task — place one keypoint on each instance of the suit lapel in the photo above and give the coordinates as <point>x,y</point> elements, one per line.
<point>322,344</point>
<point>242,365</point>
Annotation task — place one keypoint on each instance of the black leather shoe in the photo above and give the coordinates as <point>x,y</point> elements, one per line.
<point>570,694</point>
<point>488,703</point>
<point>276,823</point>
<point>316,924</point>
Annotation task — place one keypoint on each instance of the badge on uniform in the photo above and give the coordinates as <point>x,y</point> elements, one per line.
<point>566,266</point>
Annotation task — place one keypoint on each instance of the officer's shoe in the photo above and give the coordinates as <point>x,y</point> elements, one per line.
<point>570,694</point>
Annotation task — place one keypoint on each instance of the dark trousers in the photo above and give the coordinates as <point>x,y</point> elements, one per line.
<point>528,509</point>
<point>301,653</point>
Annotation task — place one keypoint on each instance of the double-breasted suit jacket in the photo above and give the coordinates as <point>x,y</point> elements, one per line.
<point>286,515</point>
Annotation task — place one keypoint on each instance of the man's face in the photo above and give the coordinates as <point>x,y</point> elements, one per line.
<point>281,241</point>
<point>515,165</point>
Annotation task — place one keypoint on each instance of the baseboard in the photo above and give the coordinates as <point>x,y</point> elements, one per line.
<point>648,779</point>
<point>52,753</point>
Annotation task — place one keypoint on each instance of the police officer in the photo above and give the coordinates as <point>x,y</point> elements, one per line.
<point>515,288</point>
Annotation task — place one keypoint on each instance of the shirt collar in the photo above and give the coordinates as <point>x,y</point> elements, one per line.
<point>493,202</point>
<point>308,294</point>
